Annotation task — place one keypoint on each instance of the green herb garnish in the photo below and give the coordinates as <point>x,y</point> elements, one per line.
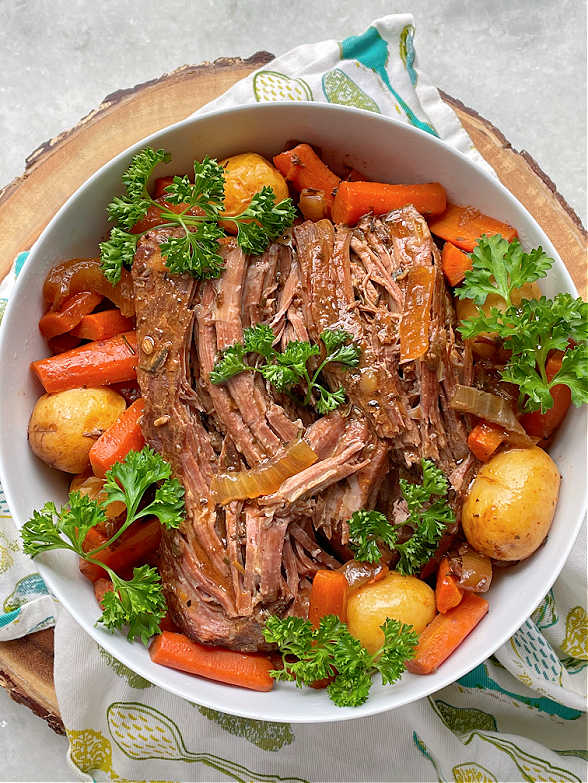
<point>139,602</point>
<point>531,329</point>
<point>196,251</point>
<point>331,651</point>
<point>288,368</point>
<point>429,515</point>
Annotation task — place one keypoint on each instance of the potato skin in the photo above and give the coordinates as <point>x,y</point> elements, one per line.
<point>399,597</point>
<point>64,426</point>
<point>245,175</point>
<point>510,506</point>
<point>467,308</point>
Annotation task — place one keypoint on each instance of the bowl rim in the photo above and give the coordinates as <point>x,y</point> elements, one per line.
<point>151,671</point>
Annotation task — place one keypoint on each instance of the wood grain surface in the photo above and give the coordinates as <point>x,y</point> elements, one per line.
<point>58,167</point>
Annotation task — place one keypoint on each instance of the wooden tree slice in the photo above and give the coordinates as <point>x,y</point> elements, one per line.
<point>58,167</point>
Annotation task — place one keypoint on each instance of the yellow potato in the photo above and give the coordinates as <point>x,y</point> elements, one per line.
<point>467,308</point>
<point>510,506</point>
<point>245,175</point>
<point>403,598</point>
<point>64,426</point>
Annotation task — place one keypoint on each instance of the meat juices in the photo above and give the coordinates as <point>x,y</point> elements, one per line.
<point>229,567</point>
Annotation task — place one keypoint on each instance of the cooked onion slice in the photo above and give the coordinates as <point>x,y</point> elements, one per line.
<point>313,204</point>
<point>266,477</point>
<point>358,573</point>
<point>491,408</point>
<point>473,570</point>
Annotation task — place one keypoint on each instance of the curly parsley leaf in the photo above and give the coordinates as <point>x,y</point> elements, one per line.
<point>499,266</point>
<point>330,651</point>
<point>139,602</point>
<point>529,332</point>
<point>288,368</point>
<point>116,252</point>
<point>428,514</point>
<point>195,252</point>
<point>259,339</point>
<point>366,529</point>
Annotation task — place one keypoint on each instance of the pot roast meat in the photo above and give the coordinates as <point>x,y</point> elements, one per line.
<point>229,567</point>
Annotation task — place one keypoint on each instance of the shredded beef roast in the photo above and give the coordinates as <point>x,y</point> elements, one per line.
<point>231,566</point>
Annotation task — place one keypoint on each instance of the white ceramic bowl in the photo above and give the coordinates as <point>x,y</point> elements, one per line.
<point>384,150</point>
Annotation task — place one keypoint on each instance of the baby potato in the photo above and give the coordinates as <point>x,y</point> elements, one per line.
<point>64,426</point>
<point>245,175</point>
<point>467,308</point>
<point>403,598</point>
<point>510,506</point>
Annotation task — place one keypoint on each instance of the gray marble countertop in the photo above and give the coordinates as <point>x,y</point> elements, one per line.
<point>520,63</point>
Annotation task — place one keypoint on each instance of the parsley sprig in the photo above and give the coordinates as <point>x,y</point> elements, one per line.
<point>330,651</point>
<point>289,368</point>
<point>428,515</point>
<point>531,329</point>
<point>138,602</point>
<point>196,251</point>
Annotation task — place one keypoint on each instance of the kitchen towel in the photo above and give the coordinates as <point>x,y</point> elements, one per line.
<point>518,716</point>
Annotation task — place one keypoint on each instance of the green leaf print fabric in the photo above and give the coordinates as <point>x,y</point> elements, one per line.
<point>518,716</point>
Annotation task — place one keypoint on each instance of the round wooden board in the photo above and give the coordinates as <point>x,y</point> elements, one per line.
<point>58,167</point>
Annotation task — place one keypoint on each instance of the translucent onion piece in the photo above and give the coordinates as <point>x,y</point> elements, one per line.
<point>473,570</point>
<point>266,477</point>
<point>92,487</point>
<point>85,274</point>
<point>489,407</point>
<point>313,204</point>
<point>358,574</point>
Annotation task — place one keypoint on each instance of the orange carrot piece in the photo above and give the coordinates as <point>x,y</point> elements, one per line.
<point>445,633</point>
<point>121,437</point>
<point>355,199</point>
<point>448,593</point>
<point>93,364</point>
<point>101,587</point>
<point>94,538</point>
<point>543,425</point>
<point>62,343</point>
<point>160,185</point>
<point>463,226</point>
<point>328,596</point>
<point>414,325</point>
<point>102,325</point>
<point>248,670</point>
<point>455,263</point>
<point>304,169</point>
<point>75,307</point>
<point>135,544</point>
<point>484,439</point>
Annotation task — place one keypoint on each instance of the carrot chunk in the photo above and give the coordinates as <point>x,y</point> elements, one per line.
<point>101,326</point>
<point>160,185</point>
<point>101,587</point>
<point>135,545</point>
<point>248,670</point>
<point>463,226</point>
<point>304,169</point>
<point>121,437</point>
<point>355,199</point>
<point>445,633</point>
<point>448,593</point>
<point>75,307</point>
<point>543,425</point>
<point>414,326</point>
<point>328,596</point>
<point>93,364</point>
<point>484,439</point>
<point>455,263</point>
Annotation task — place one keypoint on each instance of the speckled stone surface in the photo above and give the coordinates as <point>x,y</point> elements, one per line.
<point>520,63</point>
